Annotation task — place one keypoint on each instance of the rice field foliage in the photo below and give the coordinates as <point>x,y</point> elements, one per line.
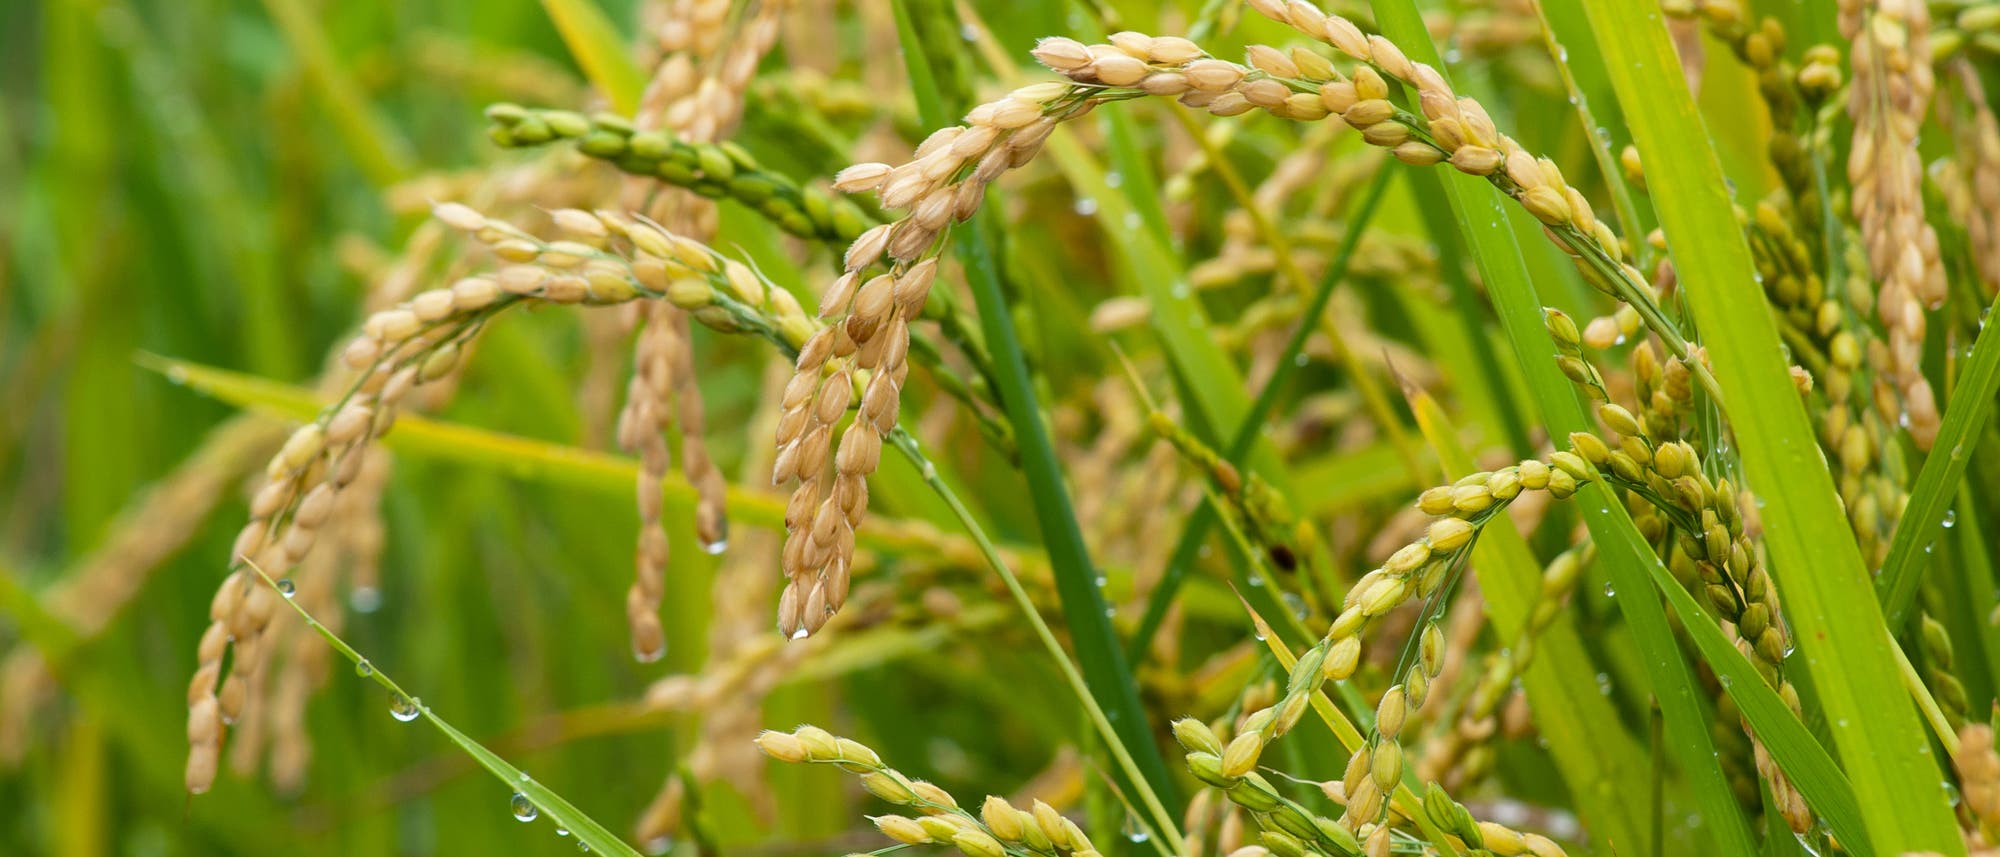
<point>1061,428</point>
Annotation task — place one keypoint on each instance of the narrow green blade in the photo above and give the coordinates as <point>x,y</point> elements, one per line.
<point>570,821</point>
<point>1622,550</point>
<point>1814,558</point>
<point>1964,418</point>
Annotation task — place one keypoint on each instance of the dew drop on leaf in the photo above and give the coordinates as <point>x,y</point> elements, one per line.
<point>403,708</point>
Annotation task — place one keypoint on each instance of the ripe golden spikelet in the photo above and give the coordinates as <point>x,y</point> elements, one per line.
<point>1979,772</point>
<point>421,341</point>
<point>1892,89</point>
<point>860,359</point>
<point>1974,195</point>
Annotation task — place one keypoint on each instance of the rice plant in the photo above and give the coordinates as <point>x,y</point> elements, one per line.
<point>1065,427</point>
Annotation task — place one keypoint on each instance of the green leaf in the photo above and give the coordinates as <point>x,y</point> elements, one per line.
<point>560,811</point>
<point>1971,403</point>
<point>1814,558</point>
<point>600,50</point>
<point>1621,550</point>
<point>1804,761</point>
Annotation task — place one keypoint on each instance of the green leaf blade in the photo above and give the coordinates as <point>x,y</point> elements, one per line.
<point>1814,558</point>
<point>1621,549</point>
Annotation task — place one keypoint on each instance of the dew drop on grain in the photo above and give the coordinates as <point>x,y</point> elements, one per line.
<point>524,809</point>
<point>363,668</point>
<point>287,588</point>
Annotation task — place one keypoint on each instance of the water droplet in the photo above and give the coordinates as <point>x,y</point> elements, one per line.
<point>1259,634</point>
<point>715,548</point>
<point>177,375</point>
<point>524,809</point>
<point>801,634</point>
<point>930,471</point>
<point>1131,220</point>
<point>1950,518</point>
<point>1610,591</point>
<point>1930,547</point>
<point>287,588</point>
<point>562,831</point>
<point>1603,684</point>
<point>1114,178</point>
<point>582,845</point>
<point>1086,206</point>
<point>1135,832</point>
<point>1726,680</point>
<point>1102,580</point>
<point>363,668</point>
<point>1180,291</point>
<point>649,656</point>
<point>365,599</point>
<point>404,708</point>
<point>1295,603</point>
